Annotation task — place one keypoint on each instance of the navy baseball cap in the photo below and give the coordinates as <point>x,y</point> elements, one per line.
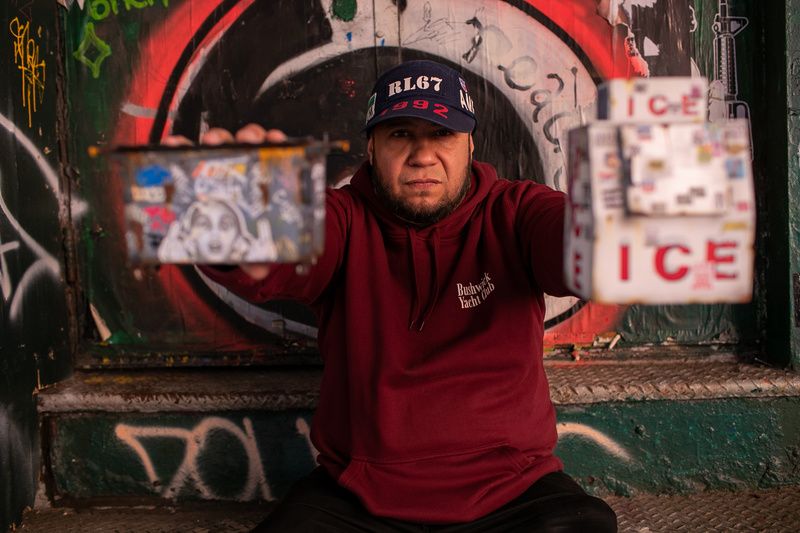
<point>422,89</point>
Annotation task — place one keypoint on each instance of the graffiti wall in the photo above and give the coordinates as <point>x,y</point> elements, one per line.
<point>613,448</point>
<point>140,70</point>
<point>34,317</point>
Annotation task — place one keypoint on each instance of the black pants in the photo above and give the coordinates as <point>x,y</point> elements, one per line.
<point>555,503</point>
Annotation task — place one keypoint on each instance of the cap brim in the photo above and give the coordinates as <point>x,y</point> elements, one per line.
<point>444,115</point>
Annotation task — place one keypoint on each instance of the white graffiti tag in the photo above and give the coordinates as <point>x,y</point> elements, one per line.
<point>195,441</point>
<point>45,263</point>
<point>566,429</point>
<point>5,280</point>
<point>305,431</point>
<point>16,459</point>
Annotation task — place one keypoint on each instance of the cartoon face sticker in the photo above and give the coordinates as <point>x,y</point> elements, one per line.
<point>215,228</point>
<point>213,231</point>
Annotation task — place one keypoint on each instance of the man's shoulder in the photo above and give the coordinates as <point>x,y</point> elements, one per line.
<point>348,205</point>
<point>522,188</point>
<point>498,184</point>
<point>343,196</point>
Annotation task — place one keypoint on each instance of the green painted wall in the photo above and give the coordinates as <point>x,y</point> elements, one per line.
<point>780,142</point>
<point>683,447</point>
<point>613,448</point>
<point>34,318</point>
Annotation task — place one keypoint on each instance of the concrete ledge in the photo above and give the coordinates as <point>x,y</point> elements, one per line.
<point>257,389</point>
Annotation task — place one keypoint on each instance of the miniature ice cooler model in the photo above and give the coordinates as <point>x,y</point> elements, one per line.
<point>225,204</point>
<point>660,213</point>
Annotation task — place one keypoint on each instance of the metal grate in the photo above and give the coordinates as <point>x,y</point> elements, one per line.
<point>570,383</point>
<point>210,518</point>
<point>770,511</point>
<point>594,382</point>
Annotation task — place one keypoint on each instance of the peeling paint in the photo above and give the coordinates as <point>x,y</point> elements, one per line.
<point>344,9</point>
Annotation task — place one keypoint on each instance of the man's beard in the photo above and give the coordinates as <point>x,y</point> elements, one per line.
<point>423,215</point>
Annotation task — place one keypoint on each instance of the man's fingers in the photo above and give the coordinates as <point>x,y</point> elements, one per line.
<point>216,136</point>
<point>257,271</point>
<point>276,136</point>
<point>254,133</point>
<point>176,140</point>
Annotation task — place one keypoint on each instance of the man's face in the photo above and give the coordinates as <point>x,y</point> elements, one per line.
<point>420,169</point>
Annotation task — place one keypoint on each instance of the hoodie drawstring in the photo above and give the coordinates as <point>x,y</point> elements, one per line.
<point>419,316</point>
<point>417,290</point>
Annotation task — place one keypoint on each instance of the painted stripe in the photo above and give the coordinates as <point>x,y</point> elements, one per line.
<point>256,315</point>
<point>79,207</point>
<point>140,111</point>
<point>598,437</point>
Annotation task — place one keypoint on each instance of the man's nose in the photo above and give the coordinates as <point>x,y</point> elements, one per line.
<point>422,152</point>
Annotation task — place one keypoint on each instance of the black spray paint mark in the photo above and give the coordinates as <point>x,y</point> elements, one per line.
<point>477,40</point>
<point>574,71</point>
<point>519,75</point>
<point>541,98</point>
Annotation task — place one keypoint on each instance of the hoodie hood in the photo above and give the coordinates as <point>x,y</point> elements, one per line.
<point>427,239</point>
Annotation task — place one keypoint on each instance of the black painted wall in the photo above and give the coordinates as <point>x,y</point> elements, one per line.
<point>34,322</point>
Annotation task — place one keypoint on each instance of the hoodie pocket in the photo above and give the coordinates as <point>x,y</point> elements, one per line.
<point>439,488</point>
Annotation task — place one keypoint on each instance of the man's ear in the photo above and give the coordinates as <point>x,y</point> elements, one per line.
<point>370,149</point>
<point>471,145</point>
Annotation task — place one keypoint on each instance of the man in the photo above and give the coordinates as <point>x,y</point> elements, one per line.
<point>434,409</point>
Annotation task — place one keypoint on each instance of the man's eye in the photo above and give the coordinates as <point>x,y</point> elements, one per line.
<point>399,133</point>
<point>443,133</point>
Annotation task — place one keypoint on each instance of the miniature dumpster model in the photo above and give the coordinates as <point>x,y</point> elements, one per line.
<point>660,213</point>
<point>224,204</point>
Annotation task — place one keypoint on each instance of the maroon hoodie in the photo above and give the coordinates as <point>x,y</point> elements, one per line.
<point>434,405</point>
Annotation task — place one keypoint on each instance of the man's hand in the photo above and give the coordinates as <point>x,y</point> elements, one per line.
<point>250,134</point>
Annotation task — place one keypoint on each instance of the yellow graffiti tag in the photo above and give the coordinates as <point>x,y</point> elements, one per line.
<point>32,70</point>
